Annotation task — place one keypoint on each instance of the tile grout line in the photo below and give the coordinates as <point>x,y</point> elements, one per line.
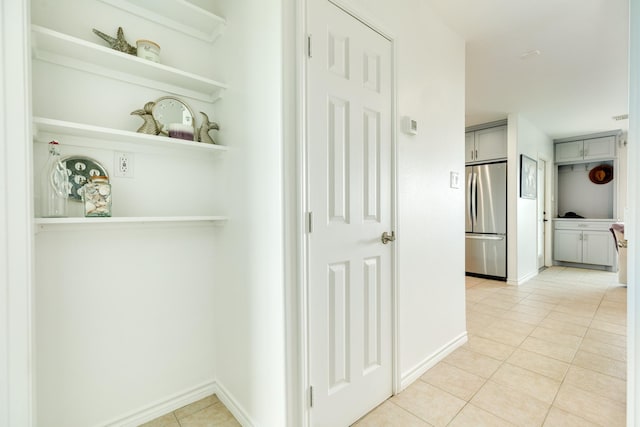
<point>562,296</point>
<point>570,364</point>
<point>409,412</point>
<point>537,325</point>
<point>565,375</point>
<point>505,361</point>
<point>502,363</point>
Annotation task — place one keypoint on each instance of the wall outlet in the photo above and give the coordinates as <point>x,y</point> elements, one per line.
<point>123,165</point>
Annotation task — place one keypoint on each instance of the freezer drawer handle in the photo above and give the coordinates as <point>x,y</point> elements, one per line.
<point>485,237</point>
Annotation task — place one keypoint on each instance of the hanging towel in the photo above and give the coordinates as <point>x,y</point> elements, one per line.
<point>617,230</point>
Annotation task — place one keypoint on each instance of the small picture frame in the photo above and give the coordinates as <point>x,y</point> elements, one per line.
<point>528,177</point>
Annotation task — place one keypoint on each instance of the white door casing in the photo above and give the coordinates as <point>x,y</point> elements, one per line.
<point>349,155</point>
<point>542,214</point>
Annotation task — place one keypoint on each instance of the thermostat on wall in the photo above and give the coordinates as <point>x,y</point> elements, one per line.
<point>409,125</point>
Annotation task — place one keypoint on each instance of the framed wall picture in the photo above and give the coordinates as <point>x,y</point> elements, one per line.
<point>528,177</point>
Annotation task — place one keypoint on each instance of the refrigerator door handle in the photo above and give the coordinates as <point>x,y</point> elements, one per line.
<point>470,209</point>
<point>474,199</point>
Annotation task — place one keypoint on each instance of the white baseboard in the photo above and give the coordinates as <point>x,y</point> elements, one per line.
<point>422,367</point>
<point>162,407</point>
<point>227,399</point>
<point>522,280</point>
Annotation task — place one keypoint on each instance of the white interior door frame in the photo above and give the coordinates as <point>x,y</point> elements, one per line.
<point>16,229</point>
<point>297,321</point>
<point>632,221</point>
<point>545,193</point>
<point>294,129</point>
<point>548,206</point>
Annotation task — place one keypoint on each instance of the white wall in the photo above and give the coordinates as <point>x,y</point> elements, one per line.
<point>250,361</point>
<point>16,340</point>
<point>125,320</point>
<point>430,76</point>
<point>524,138</point>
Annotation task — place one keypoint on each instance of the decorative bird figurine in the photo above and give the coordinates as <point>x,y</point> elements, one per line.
<point>150,125</point>
<point>117,43</point>
<point>205,127</point>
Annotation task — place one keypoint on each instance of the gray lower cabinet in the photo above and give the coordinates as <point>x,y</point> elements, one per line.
<point>568,246</point>
<point>598,248</point>
<point>584,242</point>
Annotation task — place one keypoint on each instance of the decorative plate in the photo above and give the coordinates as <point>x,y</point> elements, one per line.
<point>79,169</point>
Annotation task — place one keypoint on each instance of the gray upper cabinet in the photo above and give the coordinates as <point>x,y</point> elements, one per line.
<point>600,148</point>
<point>569,151</point>
<point>469,146</point>
<point>587,149</point>
<point>486,144</point>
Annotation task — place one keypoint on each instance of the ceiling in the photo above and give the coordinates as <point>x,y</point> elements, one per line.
<point>574,86</point>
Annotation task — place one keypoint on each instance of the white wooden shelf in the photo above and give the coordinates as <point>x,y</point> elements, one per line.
<point>45,129</point>
<point>179,15</point>
<point>62,49</point>
<point>128,220</point>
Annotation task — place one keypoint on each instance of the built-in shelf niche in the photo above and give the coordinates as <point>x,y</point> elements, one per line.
<point>576,192</point>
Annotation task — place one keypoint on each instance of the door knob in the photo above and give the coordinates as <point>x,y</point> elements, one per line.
<point>386,237</point>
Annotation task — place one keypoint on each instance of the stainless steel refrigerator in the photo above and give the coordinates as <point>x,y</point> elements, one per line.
<point>486,220</point>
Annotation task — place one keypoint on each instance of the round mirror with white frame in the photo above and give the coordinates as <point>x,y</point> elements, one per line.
<point>169,110</point>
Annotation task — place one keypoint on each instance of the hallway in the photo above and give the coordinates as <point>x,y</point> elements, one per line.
<point>551,352</point>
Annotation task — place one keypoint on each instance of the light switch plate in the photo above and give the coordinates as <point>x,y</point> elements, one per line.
<point>409,125</point>
<point>454,179</point>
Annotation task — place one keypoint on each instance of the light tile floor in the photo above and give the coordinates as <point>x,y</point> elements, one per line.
<point>551,353</point>
<point>207,412</point>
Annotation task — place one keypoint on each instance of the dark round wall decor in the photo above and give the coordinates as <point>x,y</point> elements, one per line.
<point>79,169</point>
<point>601,174</point>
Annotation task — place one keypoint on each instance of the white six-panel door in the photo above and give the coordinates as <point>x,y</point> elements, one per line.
<point>349,107</point>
